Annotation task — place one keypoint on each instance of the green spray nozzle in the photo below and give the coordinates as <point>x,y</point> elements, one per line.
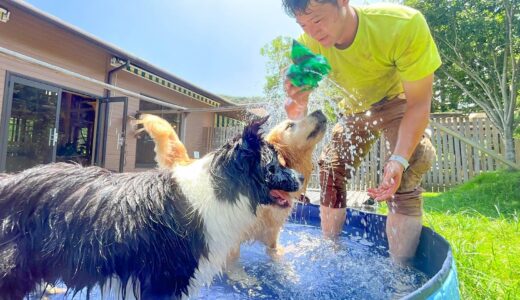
<point>308,68</point>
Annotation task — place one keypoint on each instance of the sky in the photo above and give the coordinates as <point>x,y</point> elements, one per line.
<point>213,44</point>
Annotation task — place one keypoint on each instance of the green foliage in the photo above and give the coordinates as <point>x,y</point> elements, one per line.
<point>475,43</point>
<point>479,42</point>
<point>492,194</point>
<point>446,98</point>
<point>330,112</point>
<point>486,252</point>
<point>480,220</point>
<point>278,54</point>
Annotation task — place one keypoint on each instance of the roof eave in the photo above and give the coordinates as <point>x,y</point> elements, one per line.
<point>114,50</point>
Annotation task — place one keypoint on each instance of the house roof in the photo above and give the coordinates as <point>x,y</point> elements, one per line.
<point>114,50</point>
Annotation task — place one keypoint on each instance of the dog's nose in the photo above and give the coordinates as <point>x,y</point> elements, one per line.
<point>318,114</point>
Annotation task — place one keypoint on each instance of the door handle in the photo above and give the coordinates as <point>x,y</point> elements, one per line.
<point>120,139</point>
<point>55,137</point>
<point>50,136</point>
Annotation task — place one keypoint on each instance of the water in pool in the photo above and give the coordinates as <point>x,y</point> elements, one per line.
<point>311,268</point>
<point>314,268</point>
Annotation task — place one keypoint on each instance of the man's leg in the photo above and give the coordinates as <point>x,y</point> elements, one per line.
<point>351,139</point>
<point>332,220</point>
<point>403,234</point>
<point>404,222</point>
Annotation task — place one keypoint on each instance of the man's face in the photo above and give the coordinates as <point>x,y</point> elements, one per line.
<point>323,22</point>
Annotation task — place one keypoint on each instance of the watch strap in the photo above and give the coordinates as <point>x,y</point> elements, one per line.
<point>398,158</point>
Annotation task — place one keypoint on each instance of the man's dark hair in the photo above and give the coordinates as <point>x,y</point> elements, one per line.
<point>294,7</point>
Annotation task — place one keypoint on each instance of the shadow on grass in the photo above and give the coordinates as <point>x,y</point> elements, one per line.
<point>493,194</point>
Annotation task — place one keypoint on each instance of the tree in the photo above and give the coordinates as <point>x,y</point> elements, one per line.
<point>479,42</point>
<point>278,54</point>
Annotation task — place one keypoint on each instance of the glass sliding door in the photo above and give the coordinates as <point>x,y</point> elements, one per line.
<point>111,133</point>
<point>76,129</point>
<point>31,122</point>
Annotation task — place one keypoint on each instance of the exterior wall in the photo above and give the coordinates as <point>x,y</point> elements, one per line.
<point>29,36</point>
<point>196,137</point>
<point>33,37</point>
<point>43,75</point>
<point>193,126</point>
<point>36,38</point>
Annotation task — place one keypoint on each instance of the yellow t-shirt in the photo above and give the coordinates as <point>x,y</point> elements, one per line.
<point>393,44</point>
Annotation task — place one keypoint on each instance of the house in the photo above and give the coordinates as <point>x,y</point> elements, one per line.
<point>66,95</point>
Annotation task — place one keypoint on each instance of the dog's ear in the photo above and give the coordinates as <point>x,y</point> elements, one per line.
<point>252,135</point>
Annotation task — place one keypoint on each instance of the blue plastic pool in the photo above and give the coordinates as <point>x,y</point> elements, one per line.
<point>356,266</point>
<point>434,256</point>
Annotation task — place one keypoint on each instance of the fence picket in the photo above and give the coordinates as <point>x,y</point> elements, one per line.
<point>463,171</point>
<point>489,142</point>
<point>476,152</point>
<point>446,158</point>
<point>496,144</point>
<point>440,160</point>
<point>466,125</point>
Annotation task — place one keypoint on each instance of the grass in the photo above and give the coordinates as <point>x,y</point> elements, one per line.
<point>480,219</point>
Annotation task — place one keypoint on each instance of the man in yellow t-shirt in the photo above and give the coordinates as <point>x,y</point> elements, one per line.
<point>384,57</point>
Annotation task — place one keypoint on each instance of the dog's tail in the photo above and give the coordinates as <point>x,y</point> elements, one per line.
<point>169,150</point>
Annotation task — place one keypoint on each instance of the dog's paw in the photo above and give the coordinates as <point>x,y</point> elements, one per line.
<point>237,275</point>
<point>52,290</point>
<point>276,253</point>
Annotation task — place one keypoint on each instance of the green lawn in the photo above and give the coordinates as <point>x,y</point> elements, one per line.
<point>480,219</point>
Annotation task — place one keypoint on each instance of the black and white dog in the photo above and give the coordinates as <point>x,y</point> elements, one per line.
<point>165,233</point>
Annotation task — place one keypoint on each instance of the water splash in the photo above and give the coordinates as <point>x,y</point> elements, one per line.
<point>316,268</point>
<point>326,97</point>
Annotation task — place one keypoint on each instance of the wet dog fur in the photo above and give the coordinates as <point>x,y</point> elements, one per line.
<point>294,141</point>
<point>166,232</point>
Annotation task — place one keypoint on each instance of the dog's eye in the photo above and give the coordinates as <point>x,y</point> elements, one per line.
<point>271,169</point>
<point>289,126</point>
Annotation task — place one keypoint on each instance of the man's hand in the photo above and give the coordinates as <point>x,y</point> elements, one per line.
<point>298,99</point>
<point>392,175</point>
<point>415,120</point>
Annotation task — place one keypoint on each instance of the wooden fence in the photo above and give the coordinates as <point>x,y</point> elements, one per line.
<point>216,137</point>
<point>456,163</point>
